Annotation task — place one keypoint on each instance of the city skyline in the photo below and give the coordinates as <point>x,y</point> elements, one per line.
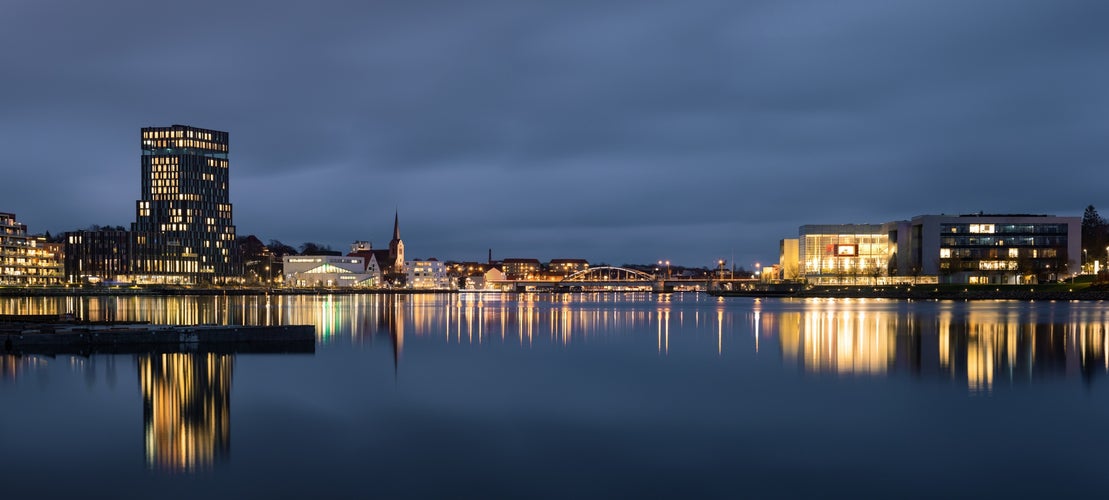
<point>615,132</point>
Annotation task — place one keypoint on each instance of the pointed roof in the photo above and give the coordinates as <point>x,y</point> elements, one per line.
<point>396,226</point>
<point>383,259</point>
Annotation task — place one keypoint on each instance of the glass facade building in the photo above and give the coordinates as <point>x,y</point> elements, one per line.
<point>833,254</point>
<point>968,249</point>
<point>183,228</point>
<point>996,249</point>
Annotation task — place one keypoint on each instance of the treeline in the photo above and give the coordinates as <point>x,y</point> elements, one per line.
<point>263,261</point>
<point>1095,236</point>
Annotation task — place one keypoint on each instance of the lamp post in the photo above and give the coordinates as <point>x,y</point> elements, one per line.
<point>758,275</point>
<point>661,262</point>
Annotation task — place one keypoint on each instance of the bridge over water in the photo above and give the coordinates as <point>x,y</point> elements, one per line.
<point>612,278</point>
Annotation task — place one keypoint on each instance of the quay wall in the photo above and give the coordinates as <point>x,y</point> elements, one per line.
<point>57,338</point>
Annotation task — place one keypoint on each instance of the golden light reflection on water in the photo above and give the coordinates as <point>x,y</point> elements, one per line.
<point>848,342</point>
<point>12,366</point>
<point>186,401</point>
<point>977,344</point>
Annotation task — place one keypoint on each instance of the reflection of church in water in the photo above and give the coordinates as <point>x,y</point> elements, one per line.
<point>186,400</point>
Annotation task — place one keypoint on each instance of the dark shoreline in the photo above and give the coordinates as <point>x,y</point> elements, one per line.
<point>1081,291</point>
<point>162,292</point>
<point>926,292</point>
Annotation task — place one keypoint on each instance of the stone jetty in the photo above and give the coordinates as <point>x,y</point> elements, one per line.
<point>92,338</point>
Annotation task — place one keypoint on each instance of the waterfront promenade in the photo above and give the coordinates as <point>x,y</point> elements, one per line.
<point>1053,291</point>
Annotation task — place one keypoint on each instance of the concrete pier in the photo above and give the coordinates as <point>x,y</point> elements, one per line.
<point>60,338</point>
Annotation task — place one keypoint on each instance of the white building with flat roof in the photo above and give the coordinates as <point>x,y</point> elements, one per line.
<point>426,274</point>
<point>326,271</point>
<point>994,248</point>
<point>970,249</point>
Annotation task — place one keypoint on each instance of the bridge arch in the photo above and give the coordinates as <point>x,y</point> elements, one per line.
<point>606,274</point>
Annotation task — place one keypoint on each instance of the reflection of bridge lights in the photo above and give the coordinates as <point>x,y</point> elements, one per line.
<point>757,323</point>
<point>720,332</point>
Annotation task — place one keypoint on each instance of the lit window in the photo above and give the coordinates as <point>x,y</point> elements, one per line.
<point>945,253</point>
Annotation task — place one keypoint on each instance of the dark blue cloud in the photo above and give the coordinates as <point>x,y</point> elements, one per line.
<point>616,131</point>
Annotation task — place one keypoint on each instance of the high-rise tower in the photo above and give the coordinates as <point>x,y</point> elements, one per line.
<point>183,230</point>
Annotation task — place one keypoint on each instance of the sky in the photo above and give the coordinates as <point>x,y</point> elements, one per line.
<point>615,131</point>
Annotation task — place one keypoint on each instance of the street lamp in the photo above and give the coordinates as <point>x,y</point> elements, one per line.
<point>661,262</point>
<point>758,275</point>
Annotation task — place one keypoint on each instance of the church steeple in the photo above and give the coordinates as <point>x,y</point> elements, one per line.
<point>396,247</point>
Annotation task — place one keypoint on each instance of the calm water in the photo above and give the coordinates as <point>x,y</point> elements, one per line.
<point>572,396</point>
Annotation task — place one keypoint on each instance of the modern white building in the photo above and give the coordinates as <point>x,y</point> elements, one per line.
<point>972,249</point>
<point>426,274</point>
<point>986,248</point>
<point>326,271</point>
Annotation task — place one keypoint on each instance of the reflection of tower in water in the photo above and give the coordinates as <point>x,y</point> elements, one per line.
<point>391,321</point>
<point>186,409</point>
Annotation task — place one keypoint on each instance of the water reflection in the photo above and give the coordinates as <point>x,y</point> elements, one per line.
<point>12,366</point>
<point>186,399</point>
<point>978,344</point>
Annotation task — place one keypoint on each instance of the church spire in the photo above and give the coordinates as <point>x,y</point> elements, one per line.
<point>396,248</point>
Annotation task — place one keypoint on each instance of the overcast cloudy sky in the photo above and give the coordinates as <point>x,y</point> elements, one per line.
<point>616,131</point>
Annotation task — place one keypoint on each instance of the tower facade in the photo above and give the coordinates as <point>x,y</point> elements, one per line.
<point>183,229</point>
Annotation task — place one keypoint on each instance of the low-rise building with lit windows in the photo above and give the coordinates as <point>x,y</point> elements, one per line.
<point>489,279</point>
<point>427,274</point>
<point>971,249</point>
<point>834,254</point>
<point>566,267</point>
<point>988,248</point>
<point>98,255</point>
<point>788,264</point>
<point>473,275</point>
<point>24,259</point>
<point>326,271</point>
<point>521,269</point>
